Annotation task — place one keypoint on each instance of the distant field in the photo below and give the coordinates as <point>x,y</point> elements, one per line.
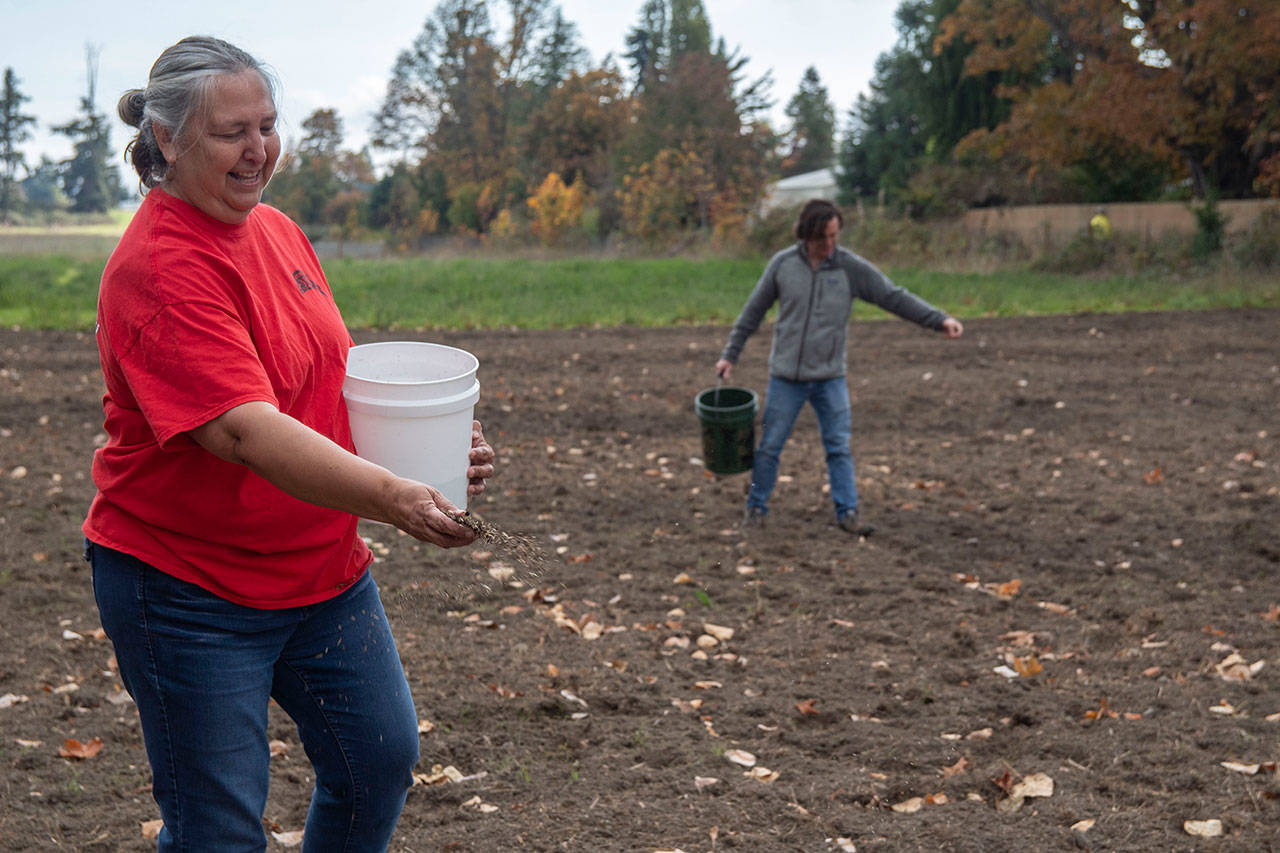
<point>58,288</point>
<point>76,241</point>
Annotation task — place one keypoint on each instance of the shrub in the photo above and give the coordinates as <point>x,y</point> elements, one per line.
<point>666,198</point>
<point>1082,253</point>
<point>770,231</point>
<point>1210,225</point>
<point>555,209</point>
<point>1258,247</point>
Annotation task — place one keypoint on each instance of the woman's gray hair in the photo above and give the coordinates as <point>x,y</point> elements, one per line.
<point>175,92</point>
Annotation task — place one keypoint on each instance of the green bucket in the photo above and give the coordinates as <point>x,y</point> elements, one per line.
<point>728,418</point>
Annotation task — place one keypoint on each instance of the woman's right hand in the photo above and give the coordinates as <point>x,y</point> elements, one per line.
<point>424,513</point>
<point>724,367</point>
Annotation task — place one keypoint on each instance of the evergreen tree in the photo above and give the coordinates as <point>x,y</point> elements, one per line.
<point>320,181</point>
<point>689,31</point>
<point>89,179</point>
<point>647,45</point>
<point>43,188</point>
<point>922,103</point>
<point>13,132</point>
<point>811,140</point>
<point>559,54</point>
<point>694,107</point>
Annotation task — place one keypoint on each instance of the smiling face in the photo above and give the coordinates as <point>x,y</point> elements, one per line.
<point>222,162</point>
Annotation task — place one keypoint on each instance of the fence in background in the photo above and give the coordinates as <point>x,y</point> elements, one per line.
<point>1055,223</point>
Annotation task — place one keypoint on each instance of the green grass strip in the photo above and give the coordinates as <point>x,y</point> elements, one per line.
<point>59,292</point>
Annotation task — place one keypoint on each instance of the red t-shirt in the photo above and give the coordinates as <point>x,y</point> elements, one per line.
<point>196,316</point>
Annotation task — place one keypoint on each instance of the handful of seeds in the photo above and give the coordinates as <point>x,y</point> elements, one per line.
<point>530,563</point>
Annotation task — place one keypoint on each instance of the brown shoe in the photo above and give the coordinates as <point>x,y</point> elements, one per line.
<point>849,523</point>
<point>753,517</point>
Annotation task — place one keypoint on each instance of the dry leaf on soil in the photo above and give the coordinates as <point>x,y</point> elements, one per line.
<point>1035,785</point>
<point>910,806</point>
<point>291,838</point>
<point>1060,609</point>
<point>438,776</point>
<point>1027,666</point>
<point>8,700</point>
<point>762,774</point>
<point>720,632</point>
<point>1250,769</point>
<point>1234,668</point>
<point>1246,769</point>
<point>1203,828</point>
<point>1005,591</point>
<point>73,748</point>
<point>1102,712</point>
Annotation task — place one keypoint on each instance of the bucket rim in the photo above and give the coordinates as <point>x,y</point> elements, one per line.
<point>471,360</point>
<point>412,408</point>
<point>750,402</point>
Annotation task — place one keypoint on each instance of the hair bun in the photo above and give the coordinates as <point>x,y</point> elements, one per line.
<point>131,106</point>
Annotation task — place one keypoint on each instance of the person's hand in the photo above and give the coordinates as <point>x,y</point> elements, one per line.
<point>952,328</point>
<point>482,457</point>
<point>724,368</point>
<point>424,513</point>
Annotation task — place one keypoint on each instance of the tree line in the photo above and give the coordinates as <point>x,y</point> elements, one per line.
<point>513,133</point>
<point>988,102</point>
<point>86,182</point>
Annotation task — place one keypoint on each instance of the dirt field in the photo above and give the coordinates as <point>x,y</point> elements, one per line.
<point>1072,582</point>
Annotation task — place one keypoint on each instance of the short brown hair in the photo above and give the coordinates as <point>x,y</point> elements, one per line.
<point>814,217</point>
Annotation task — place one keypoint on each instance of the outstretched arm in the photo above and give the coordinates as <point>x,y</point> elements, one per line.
<point>307,465</point>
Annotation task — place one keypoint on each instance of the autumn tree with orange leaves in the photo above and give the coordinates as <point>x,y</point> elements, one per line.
<point>1192,84</point>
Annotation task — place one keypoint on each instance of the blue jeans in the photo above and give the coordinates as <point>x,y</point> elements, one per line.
<point>202,669</point>
<point>783,402</point>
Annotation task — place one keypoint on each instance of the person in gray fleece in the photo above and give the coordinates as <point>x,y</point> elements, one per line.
<point>814,283</point>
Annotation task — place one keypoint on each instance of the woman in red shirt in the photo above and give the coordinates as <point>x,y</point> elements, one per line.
<point>226,562</point>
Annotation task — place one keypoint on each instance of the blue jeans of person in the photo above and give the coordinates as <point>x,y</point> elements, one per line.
<point>783,402</point>
<point>202,670</point>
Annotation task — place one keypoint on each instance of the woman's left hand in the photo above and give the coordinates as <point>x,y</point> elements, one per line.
<point>482,457</point>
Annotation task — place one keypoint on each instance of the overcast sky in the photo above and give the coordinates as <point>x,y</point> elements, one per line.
<point>339,53</point>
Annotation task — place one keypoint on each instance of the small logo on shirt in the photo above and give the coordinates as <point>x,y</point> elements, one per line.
<point>304,282</point>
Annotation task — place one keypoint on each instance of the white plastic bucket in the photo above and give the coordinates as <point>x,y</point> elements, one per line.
<point>411,405</point>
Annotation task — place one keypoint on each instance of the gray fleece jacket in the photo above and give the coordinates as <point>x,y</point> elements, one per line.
<point>810,335</point>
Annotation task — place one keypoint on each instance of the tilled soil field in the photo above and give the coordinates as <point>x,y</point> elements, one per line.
<point>1063,634</point>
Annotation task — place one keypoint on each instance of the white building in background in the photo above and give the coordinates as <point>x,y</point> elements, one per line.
<point>797,189</point>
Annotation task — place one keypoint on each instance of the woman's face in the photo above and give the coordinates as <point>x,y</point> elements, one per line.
<point>223,162</point>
